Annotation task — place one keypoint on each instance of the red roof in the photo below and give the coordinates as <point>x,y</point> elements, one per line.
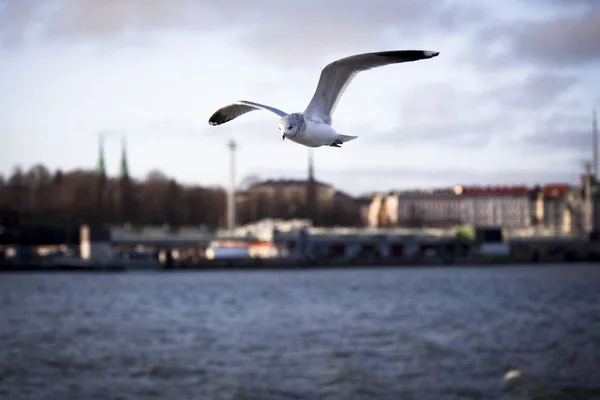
<point>557,190</point>
<point>495,191</point>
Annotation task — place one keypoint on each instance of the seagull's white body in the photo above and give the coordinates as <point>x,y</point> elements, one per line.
<point>318,134</point>
<point>312,128</point>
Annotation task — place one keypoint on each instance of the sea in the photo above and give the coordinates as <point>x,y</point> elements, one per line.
<point>509,332</point>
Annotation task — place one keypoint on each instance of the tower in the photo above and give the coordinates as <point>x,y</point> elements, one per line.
<point>595,145</point>
<point>588,211</point>
<point>127,208</point>
<point>311,167</point>
<point>311,189</point>
<point>231,195</point>
<point>124,168</point>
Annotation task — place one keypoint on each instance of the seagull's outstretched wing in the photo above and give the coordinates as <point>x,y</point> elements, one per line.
<point>336,77</point>
<point>234,110</point>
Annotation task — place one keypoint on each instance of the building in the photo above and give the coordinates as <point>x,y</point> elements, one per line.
<point>596,208</point>
<point>290,189</point>
<point>382,210</point>
<point>285,199</point>
<point>506,206</point>
<point>364,208</point>
<point>558,215</point>
<point>374,211</point>
<point>588,184</point>
<point>554,208</point>
<point>536,202</point>
<point>390,205</point>
<point>429,208</point>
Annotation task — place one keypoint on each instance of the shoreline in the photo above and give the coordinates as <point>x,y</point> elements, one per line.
<point>294,265</point>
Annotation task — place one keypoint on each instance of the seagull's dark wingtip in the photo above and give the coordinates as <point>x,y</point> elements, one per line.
<point>214,119</point>
<point>431,54</point>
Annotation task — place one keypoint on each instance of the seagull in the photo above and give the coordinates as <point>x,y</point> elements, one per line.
<point>312,128</point>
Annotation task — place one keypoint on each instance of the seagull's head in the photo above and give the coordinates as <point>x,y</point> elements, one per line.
<point>292,125</point>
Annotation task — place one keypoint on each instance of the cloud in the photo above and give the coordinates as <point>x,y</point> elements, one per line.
<point>577,140</point>
<point>561,40</point>
<point>527,96</point>
<point>535,91</point>
<point>265,25</point>
<point>459,132</point>
<point>565,40</point>
<point>567,132</point>
<point>434,114</point>
<point>444,114</point>
<point>90,19</point>
<point>570,3</point>
<point>254,128</point>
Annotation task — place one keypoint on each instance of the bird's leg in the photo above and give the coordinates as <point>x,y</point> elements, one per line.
<point>282,137</point>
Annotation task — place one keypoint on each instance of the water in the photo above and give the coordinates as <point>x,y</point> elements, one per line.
<point>423,333</point>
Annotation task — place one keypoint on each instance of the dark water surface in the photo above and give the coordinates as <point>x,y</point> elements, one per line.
<point>423,333</point>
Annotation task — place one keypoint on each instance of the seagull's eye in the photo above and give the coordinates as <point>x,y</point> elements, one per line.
<point>290,127</point>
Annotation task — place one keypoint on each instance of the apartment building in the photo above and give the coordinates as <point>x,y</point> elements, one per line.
<point>429,208</point>
<point>506,206</point>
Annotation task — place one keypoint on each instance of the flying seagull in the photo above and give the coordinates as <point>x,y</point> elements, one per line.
<point>312,128</point>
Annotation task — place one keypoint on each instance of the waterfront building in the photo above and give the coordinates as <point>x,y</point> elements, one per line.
<point>558,212</point>
<point>505,206</point>
<point>429,208</point>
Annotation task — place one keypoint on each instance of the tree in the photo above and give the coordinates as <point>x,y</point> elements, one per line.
<point>68,199</point>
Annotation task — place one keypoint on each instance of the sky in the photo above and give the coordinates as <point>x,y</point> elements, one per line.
<point>508,101</point>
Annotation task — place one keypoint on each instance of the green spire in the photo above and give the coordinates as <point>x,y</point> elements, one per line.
<point>124,174</point>
<point>311,172</point>
<point>100,167</point>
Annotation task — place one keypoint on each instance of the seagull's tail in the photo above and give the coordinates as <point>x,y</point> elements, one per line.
<point>346,138</point>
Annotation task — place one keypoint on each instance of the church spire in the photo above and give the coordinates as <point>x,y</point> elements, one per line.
<point>100,167</point>
<point>124,169</point>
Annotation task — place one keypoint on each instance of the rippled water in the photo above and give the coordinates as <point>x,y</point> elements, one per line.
<point>423,333</point>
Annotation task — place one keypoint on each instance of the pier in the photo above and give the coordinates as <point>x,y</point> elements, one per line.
<point>287,244</point>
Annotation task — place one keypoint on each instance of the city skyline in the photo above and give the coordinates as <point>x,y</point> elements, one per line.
<point>243,183</point>
<point>496,107</point>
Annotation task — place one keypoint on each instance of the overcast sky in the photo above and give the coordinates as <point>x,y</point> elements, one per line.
<point>508,100</point>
